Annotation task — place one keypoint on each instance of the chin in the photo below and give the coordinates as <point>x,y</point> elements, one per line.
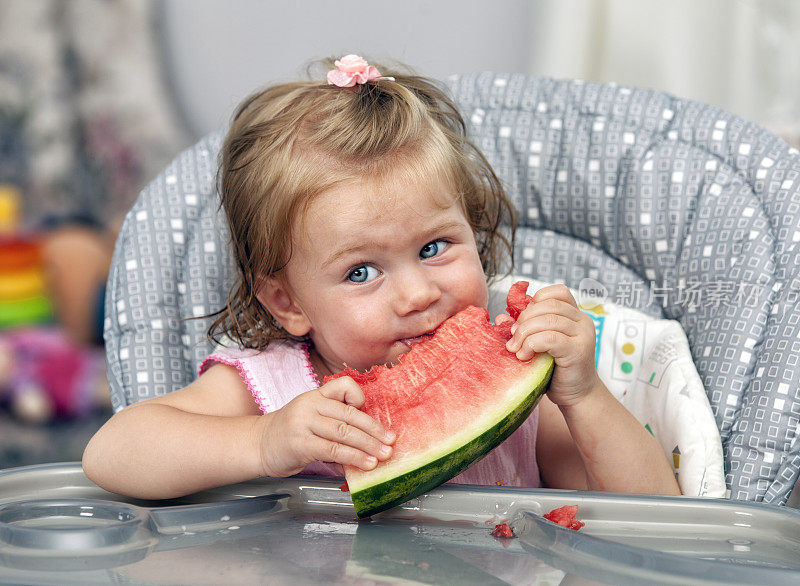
<point>398,349</point>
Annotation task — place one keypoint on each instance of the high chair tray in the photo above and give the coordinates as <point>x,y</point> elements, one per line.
<point>56,527</point>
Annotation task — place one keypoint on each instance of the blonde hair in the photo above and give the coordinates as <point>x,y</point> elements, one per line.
<point>292,141</point>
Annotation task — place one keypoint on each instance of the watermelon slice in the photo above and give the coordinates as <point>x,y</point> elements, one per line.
<point>450,400</point>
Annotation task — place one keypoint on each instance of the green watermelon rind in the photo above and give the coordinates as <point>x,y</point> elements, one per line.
<point>399,489</point>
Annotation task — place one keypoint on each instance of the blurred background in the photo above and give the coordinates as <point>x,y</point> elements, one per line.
<point>97,96</point>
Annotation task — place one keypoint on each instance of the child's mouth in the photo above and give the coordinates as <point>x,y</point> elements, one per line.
<point>416,339</point>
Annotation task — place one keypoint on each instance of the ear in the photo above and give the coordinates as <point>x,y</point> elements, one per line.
<point>279,301</point>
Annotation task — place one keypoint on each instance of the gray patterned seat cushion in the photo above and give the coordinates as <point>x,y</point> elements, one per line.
<point>679,209</point>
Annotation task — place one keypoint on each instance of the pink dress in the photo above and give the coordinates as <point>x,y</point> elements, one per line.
<point>283,371</point>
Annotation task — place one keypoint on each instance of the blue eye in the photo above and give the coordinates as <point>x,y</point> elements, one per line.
<point>431,249</point>
<point>362,274</point>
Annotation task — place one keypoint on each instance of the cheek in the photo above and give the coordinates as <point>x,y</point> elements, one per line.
<point>474,283</point>
<point>345,320</point>
<point>481,292</point>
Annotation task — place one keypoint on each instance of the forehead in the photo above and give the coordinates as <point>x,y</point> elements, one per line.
<point>369,201</point>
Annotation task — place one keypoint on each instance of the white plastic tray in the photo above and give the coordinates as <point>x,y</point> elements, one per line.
<point>56,527</point>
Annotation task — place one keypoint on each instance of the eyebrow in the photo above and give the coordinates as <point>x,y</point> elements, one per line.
<point>342,252</point>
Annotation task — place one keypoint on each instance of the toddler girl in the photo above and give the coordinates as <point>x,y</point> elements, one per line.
<point>361,219</point>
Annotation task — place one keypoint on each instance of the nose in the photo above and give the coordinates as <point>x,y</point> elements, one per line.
<point>416,291</point>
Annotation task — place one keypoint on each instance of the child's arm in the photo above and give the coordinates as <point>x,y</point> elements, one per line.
<point>586,438</point>
<point>211,434</point>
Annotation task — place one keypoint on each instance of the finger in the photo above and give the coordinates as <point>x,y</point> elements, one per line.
<point>331,451</point>
<point>541,323</point>
<point>503,318</point>
<point>349,415</point>
<point>340,432</point>
<point>557,344</point>
<point>552,305</point>
<point>344,390</point>
<point>560,292</point>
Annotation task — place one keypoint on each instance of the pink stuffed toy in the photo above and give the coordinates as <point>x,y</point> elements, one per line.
<point>43,375</point>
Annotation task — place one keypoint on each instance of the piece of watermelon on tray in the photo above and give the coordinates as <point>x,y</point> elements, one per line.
<point>450,400</point>
<point>565,516</point>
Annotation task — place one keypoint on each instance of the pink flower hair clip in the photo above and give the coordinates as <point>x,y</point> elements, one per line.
<point>351,70</point>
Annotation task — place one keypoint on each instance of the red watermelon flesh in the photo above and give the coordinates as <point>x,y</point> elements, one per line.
<point>565,516</point>
<point>517,300</point>
<point>450,400</point>
<point>503,530</point>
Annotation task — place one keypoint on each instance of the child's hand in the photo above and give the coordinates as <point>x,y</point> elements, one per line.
<point>324,424</point>
<point>553,323</point>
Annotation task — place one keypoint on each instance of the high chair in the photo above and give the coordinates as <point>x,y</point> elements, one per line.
<point>670,207</point>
